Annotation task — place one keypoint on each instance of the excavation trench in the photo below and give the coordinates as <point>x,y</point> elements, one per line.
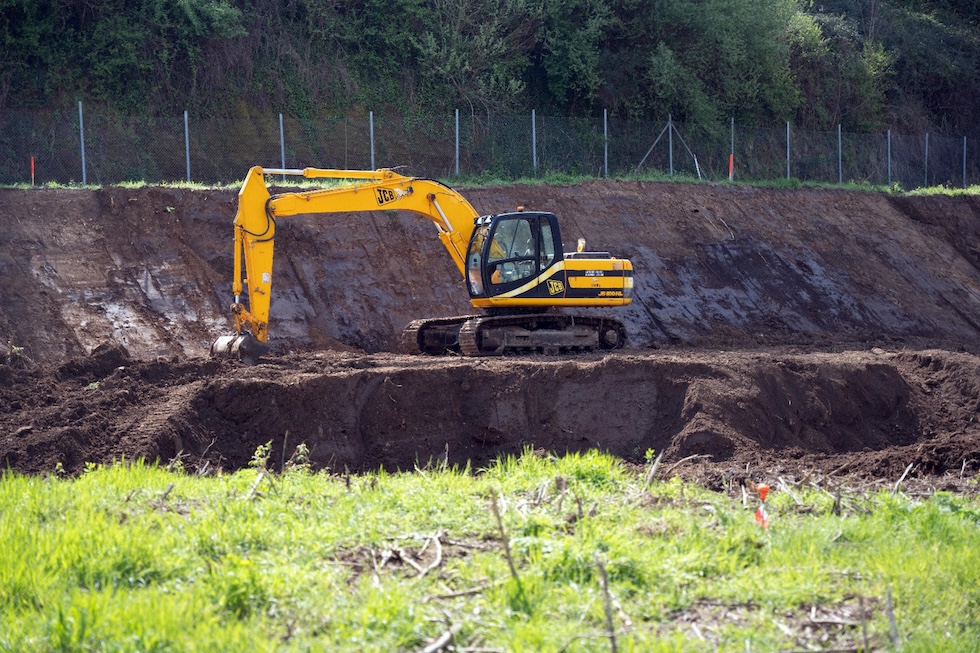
<point>795,332</point>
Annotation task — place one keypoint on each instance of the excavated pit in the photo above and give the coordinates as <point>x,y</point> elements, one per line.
<point>777,332</point>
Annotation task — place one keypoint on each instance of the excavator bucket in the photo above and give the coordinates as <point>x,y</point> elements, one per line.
<point>244,347</point>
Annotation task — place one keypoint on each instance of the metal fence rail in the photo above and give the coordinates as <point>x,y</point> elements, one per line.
<point>96,146</point>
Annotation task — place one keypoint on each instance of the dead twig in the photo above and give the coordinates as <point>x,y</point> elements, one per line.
<point>443,641</point>
<point>607,603</point>
<point>893,632</point>
<point>904,474</point>
<point>438,557</point>
<point>282,457</point>
<point>505,540</point>
<point>376,568</point>
<point>684,460</point>
<point>784,486</point>
<point>468,545</point>
<point>453,595</point>
<point>651,473</point>
<point>263,474</point>
<point>166,493</point>
<point>255,486</point>
<point>864,622</point>
<point>408,560</point>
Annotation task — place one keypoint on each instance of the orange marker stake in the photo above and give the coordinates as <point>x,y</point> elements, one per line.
<point>761,516</point>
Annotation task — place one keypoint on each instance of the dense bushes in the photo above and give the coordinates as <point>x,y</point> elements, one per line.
<point>862,63</point>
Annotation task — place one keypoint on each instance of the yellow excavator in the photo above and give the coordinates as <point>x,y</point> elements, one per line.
<point>513,266</point>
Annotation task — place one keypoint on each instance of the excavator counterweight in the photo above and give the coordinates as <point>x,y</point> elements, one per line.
<point>513,266</point>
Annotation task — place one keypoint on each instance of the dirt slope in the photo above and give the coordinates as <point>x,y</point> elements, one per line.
<point>804,325</point>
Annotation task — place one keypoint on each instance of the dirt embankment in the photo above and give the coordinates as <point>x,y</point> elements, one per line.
<point>807,328</point>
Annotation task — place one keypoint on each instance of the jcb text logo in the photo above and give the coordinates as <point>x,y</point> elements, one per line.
<point>556,287</point>
<point>386,195</point>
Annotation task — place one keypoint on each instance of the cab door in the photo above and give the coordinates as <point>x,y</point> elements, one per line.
<point>519,251</point>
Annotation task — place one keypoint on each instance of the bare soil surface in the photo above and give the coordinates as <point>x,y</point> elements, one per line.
<point>774,333</point>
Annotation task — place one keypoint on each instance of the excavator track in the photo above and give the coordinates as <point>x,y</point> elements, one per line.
<point>434,336</point>
<point>539,333</point>
<point>543,333</point>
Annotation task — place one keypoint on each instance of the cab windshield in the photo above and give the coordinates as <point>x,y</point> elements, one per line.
<point>512,252</point>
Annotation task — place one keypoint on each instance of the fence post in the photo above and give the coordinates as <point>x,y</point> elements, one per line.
<point>282,145</point>
<point>81,137</point>
<point>187,146</point>
<point>731,155</point>
<point>927,160</point>
<point>964,162</point>
<point>889,158</point>
<point>840,156</point>
<point>457,142</point>
<point>605,145</point>
<point>787,149</point>
<point>534,143</point>
<point>371,136</point>
<point>670,143</point>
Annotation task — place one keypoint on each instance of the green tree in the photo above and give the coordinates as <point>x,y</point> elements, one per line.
<point>475,53</point>
<point>843,77</point>
<point>567,58</point>
<point>699,60</point>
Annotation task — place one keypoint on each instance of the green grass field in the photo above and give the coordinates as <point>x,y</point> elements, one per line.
<point>587,555</point>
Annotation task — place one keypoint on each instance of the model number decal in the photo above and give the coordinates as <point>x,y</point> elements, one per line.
<point>595,273</point>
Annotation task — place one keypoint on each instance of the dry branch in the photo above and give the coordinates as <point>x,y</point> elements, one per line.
<point>441,642</point>
<point>607,603</point>
<point>452,595</point>
<point>904,474</point>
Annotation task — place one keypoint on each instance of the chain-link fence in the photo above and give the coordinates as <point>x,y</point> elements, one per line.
<point>99,147</point>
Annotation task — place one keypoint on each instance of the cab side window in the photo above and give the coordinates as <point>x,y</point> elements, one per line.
<point>547,245</point>
<point>474,266</point>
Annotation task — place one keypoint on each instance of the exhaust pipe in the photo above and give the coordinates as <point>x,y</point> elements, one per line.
<point>244,347</point>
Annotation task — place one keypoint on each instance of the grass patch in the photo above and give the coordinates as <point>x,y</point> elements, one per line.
<point>946,190</point>
<point>133,557</point>
<point>545,179</point>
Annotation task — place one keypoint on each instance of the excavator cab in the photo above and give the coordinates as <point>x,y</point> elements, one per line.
<point>511,255</point>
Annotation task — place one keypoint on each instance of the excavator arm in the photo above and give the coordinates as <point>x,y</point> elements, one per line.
<point>379,190</point>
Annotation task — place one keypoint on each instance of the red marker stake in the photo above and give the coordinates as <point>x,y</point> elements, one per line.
<point>761,516</point>
<point>32,172</point>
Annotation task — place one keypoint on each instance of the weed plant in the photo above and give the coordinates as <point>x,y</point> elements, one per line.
<point>587,555</point>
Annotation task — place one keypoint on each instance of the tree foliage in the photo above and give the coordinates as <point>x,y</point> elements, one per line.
<point>861,63</point>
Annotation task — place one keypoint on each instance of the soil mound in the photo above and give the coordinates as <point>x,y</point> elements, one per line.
<point>870,413</point>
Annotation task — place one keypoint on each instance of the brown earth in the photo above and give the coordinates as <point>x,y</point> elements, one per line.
<point>777,332</point>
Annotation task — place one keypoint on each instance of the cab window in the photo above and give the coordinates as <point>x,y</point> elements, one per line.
<point>474,265</point>
<point>547,244</point>
<point>512,251</point>
<point>512,239</point>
